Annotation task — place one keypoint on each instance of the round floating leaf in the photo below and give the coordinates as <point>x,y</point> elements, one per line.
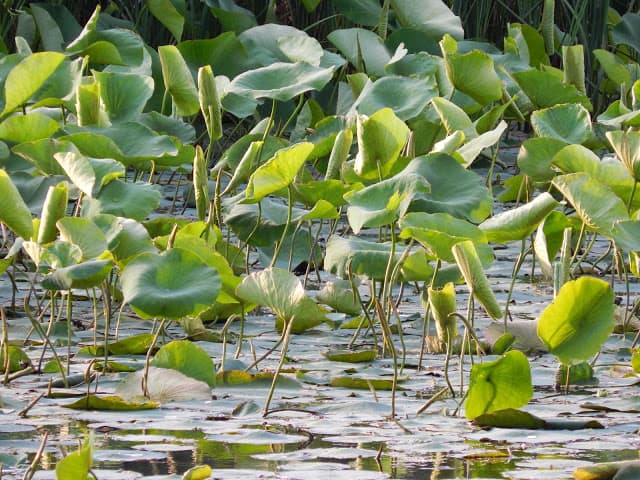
<point>280,81</point>
<point>14,213</point>
<point>520,222</point>
<point>108,403</point>
<point>186,357</point>
<point>498,385</point>
<point>164,385</point>
<point>173,285</point>
<point>282,292</point>
<point>579,320</point>
<point>351,356</point>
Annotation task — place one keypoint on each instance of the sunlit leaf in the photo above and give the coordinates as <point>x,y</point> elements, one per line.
<point>178,80</point>
<point>569,123</point>
<point>186,357</point>
<point>13,211</point>
<point>503,383</point>
<point>171,285</point>
<point>108,403</point>
<point>431,16</point>
<point>579,320</point>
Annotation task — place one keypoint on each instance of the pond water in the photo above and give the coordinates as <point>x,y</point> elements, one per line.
<point>317,430</point>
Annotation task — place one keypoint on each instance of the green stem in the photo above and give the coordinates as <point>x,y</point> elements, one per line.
<point>147,359</point>
<point>514,274</point>
<point>283,354</point>
<point>286,226</point>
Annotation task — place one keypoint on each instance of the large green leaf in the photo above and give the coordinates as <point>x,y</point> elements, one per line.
<point>170,14</point>
<point>83,233</point>
<point>87,274</point>
<point>503,383</point>
<point>474,147</point>
<point>53,209</point>
<point>469,263</point>
<point>14,213</point>
<point>381,138</point>
<point>407,97</point>
<point>355,256</point>
<point>278,172</point>
<point>439,232</point>
<point>432,17</point>
<point>124,95</point>
<point>579,320</point>
<point>472,73</point>
<point>282,292</point>
<point>535,155</point>
<point>362,12</point>
<point>178,81</point>
<point>613,66</point>
<point>280,81</point>
<point>362,48</point>
<point>569,123</point>
<point>626,31</point>
<point>29,76</point>
<point>384,202</point>
<point>520,222</point>
<point>131,200</point>
<point>216,52</point>
<point>186,357</point>
<point>626,145</point>
<point>454,189</point>
<point>546,89</point>
<point>89,174</point>
<point>172,285</point>
<point>28,128</point>
<point>596,204</point>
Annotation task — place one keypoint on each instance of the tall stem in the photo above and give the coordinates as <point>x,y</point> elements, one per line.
<point>286,226</point>
<point>283,353</point>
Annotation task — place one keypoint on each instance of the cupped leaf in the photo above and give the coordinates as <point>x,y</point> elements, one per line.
<point>340,296</point>
<point>29,76</point>
<point>28,128</point>
<point>432,17</point>
<point>87,274</point>
<point>466,257</point>
<point>53,209</point>
<point>131,200</point>
<point>518,223</point>
<point>278,172</point>
<point>472,73</point>
<point>407,97</point>
<point>569,123</point>
<point>498,385</point>
<point>83,233</point>
<point>626,145</point>
<point>443,305</point>
<point>186,357</point>
<point>355,256</point>
<point>89,174</point>
<point>178,80</point>
<point>385,202</point>
<point>439,232</point>
<point>124,95</point>
<point>280,81</point>
<point>362,48</point>
<point>381,138</point>
<point>596,204</point>
<point>282,292</point>
<point>545,89</point>
<point>579,320</point>
<point>76,465</point>
<point>14,213</point>
<point>172,285</point>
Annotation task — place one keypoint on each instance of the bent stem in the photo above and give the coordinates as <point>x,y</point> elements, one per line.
<point>286,335</point>
<point>514,275</point>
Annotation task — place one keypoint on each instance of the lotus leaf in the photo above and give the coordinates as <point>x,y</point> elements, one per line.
<point>178,80</point>
<point>362,48</point>
<point>498,385</point>
<point>77,464</point>
<point>131,200</point>
<point>168,14</point>
<point>546,89</point>
<point>27,128</point>
<point>432,17</point>
<point>355,256</point>
<point>569,123</point>
<point>172,285</point>
<point>164,385</point>
<point>280,81</point>
<point>407,97</point>
<point>124,95</point>
<point>579,320</point>
<point>87,274</point>
<point>13,211</point>
<point>187,358</point>
<point>282,292</point>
